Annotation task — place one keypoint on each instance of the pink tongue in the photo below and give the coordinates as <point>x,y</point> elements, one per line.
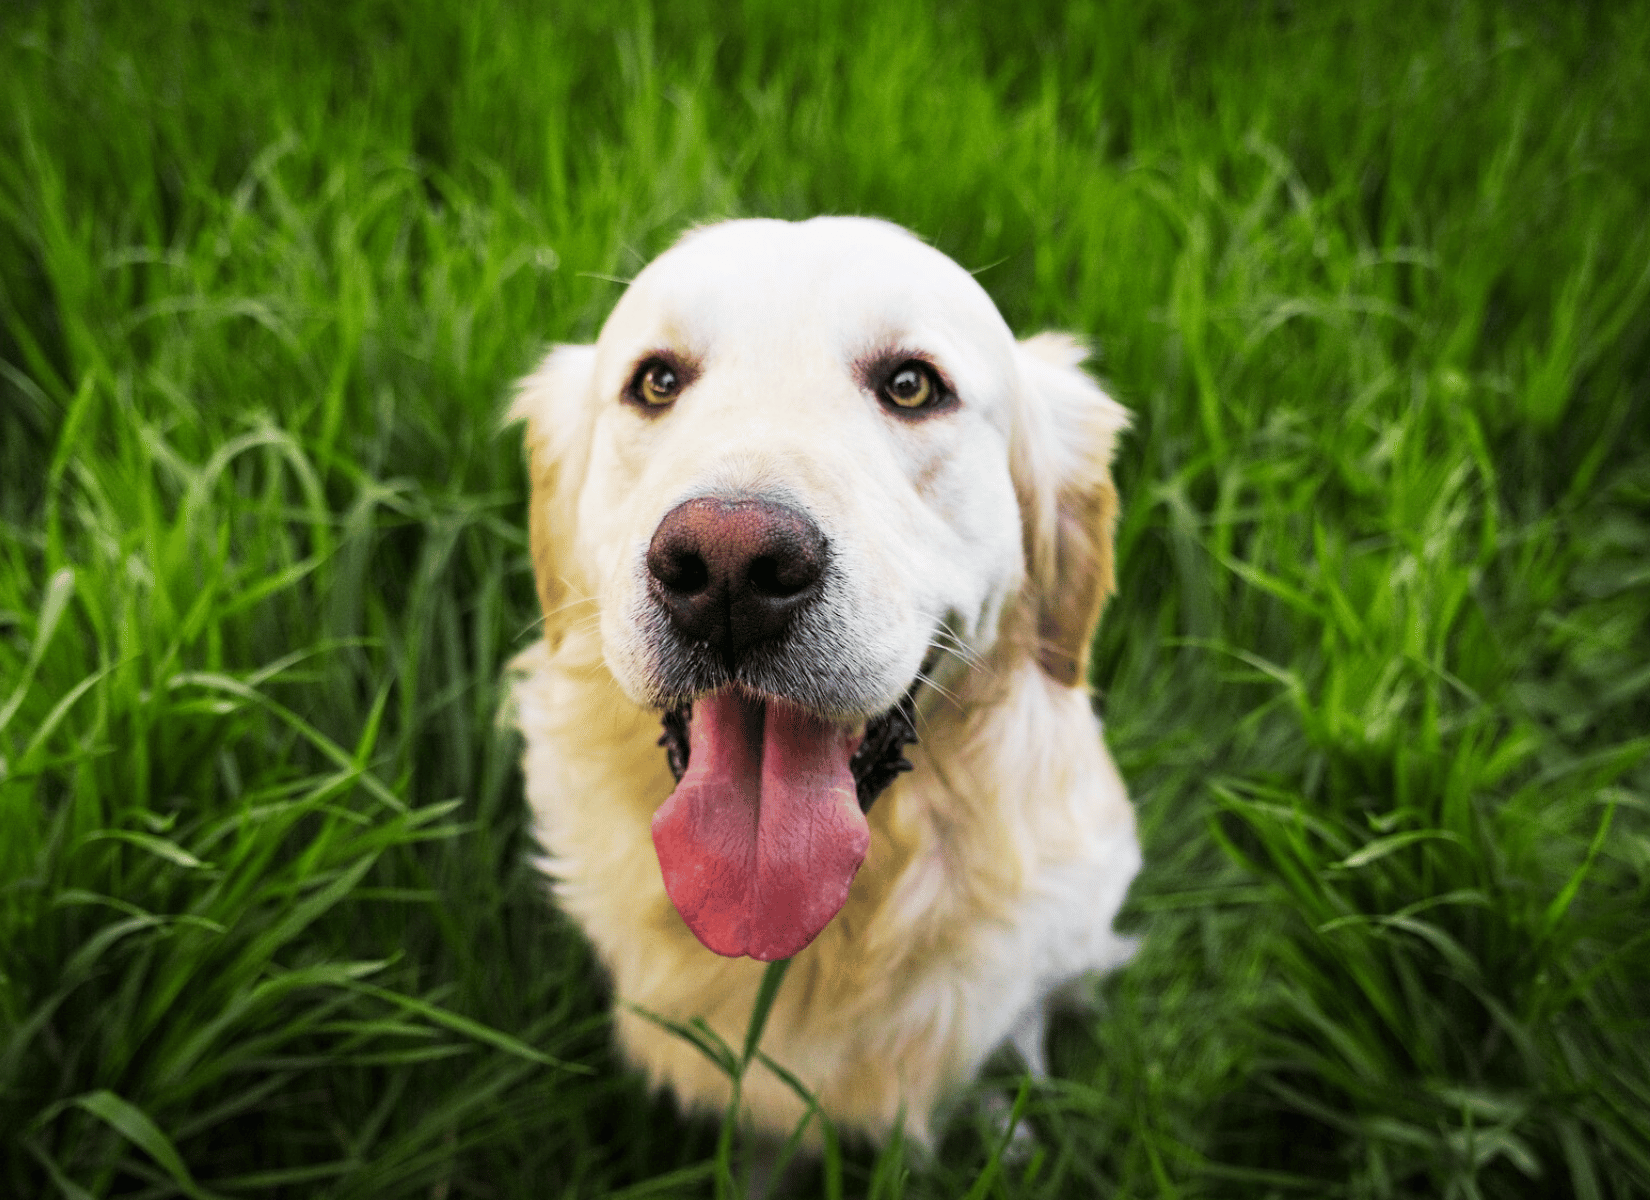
<point>762,837</point>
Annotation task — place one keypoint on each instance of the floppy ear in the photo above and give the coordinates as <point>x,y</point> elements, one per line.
<point>1065,436</point>
<point>553,402</point>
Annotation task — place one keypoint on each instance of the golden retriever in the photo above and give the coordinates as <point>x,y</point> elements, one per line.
<point>805,500</point>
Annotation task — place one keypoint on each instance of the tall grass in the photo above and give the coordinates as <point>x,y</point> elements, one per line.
<point>1375,280</point>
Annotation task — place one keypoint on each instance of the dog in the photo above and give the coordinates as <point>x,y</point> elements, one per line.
<point>821,550</point>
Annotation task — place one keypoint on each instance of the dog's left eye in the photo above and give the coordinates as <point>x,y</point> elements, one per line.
<point>912,385</point>
<point>655,384</point>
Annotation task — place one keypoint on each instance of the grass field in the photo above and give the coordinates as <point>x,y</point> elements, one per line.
<point>1375,279</point>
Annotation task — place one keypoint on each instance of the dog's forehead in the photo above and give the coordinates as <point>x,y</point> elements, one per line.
<point>837,286</point>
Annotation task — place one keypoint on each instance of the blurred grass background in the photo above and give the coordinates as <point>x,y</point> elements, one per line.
<point>1375,279</point>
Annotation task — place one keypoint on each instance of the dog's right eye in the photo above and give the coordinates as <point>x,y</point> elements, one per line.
<point>913,387</point>
<point>655,384</point>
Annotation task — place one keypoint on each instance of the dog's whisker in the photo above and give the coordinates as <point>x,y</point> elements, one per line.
<point>944,639</point>
<point>574,603</point>
<point>944,693</point>
<point>970,659</point>
<point>582,626</point>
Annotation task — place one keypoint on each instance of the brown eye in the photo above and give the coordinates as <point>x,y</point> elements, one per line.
<point>656,383</point>
<point>912,385</point>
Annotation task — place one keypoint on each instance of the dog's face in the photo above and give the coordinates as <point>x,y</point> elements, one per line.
<point>802,465</point>
<point>843,371</point>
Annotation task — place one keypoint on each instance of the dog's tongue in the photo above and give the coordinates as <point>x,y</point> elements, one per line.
<point>762,837</point>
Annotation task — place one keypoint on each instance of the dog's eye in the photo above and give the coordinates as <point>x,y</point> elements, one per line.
<point>912,385</point>
<point>656,383</point>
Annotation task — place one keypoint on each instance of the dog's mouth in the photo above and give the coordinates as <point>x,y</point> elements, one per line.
<point>762,838</point>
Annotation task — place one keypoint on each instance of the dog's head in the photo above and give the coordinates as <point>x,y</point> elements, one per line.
<point>802,464</point>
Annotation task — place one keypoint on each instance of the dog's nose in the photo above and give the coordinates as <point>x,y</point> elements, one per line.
<point>732,572</point>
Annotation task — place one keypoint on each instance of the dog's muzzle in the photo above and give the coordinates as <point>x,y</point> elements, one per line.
<point>760,841</point>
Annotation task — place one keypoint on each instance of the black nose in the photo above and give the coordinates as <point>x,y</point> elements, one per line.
<point>733,572</point>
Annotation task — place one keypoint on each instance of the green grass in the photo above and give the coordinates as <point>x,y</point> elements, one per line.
<point>1375,280</point>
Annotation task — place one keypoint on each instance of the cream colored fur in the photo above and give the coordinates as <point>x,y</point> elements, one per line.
<point>997,865</point>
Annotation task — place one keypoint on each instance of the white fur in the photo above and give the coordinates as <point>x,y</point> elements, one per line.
<point>997,865</point>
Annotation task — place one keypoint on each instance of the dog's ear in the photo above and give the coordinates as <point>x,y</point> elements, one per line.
<point>554,402</point>
<point>1064,439</point>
